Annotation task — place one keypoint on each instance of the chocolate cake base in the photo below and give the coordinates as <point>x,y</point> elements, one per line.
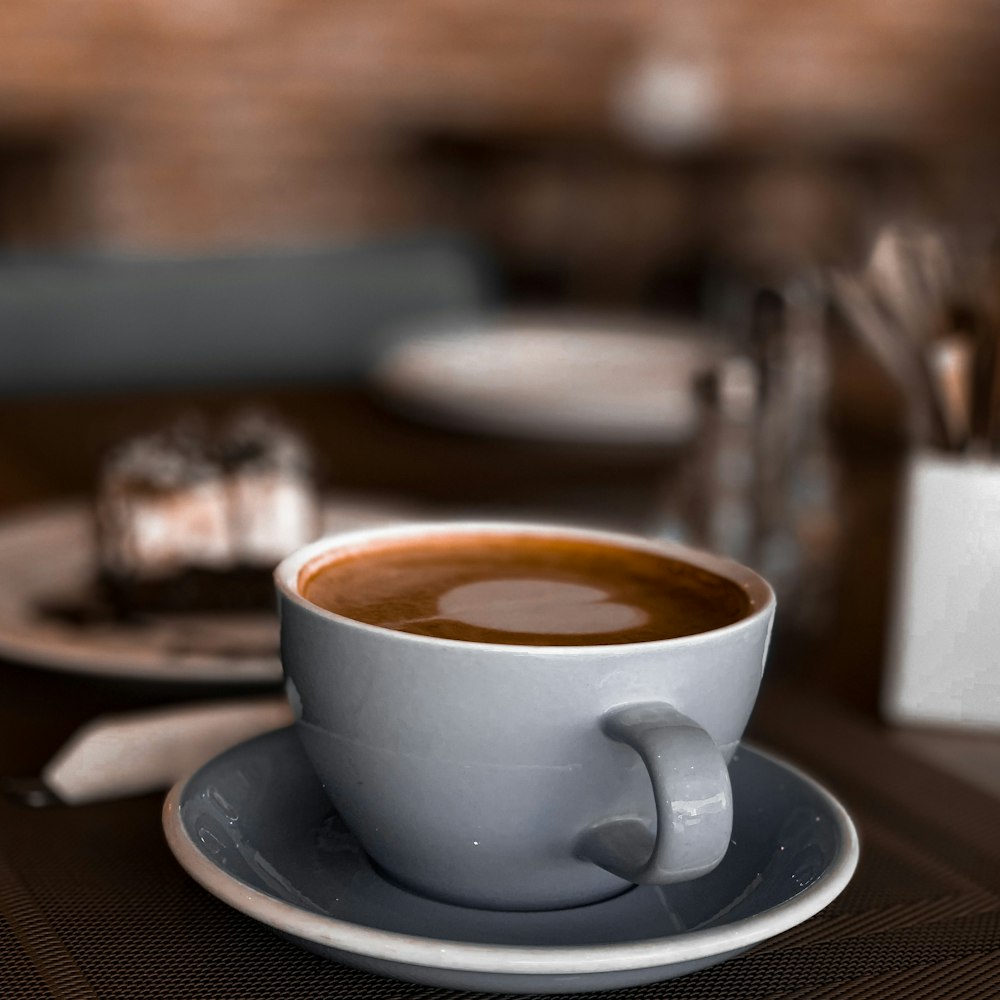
<point>192,590</point>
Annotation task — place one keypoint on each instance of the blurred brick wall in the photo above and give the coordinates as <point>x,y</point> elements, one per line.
<point>218,124</point>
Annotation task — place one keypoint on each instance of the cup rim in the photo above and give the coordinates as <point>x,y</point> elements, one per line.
<point>759,591</point>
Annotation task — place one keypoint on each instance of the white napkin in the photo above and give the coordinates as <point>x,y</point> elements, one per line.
<point>133,753</point>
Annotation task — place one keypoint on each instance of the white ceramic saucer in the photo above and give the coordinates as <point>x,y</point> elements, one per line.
<point>255,828</point>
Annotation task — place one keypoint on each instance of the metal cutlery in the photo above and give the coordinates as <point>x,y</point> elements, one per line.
<point>928,307</point>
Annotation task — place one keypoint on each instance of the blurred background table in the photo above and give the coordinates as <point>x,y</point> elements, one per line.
<point>94,905</point>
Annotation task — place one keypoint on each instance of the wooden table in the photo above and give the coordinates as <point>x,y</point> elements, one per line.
<point>94,905</point>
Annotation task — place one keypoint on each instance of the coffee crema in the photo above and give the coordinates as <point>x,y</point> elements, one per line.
<point>533,590</point>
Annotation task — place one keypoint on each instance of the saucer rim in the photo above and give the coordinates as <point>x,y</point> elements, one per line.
<point>408,949</point>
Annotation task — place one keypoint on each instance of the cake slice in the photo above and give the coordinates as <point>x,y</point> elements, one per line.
<point>191,521</point>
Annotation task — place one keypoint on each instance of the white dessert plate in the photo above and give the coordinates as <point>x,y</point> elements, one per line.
<point>255,828</point>
<point>616,384</point>
<point>48,561</point>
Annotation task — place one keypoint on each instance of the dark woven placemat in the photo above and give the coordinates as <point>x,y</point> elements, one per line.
<point>94,905</point>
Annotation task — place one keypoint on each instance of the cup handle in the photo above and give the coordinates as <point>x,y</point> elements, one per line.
<point>694,802</point>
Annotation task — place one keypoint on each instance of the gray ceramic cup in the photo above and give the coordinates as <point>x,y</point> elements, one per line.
<point>523,777</point>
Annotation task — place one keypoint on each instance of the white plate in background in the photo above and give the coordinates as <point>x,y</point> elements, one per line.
<point>552,380</point>
<point>48,555</point>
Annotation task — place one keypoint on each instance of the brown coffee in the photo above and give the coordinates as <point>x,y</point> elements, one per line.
<point>523,590</point>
